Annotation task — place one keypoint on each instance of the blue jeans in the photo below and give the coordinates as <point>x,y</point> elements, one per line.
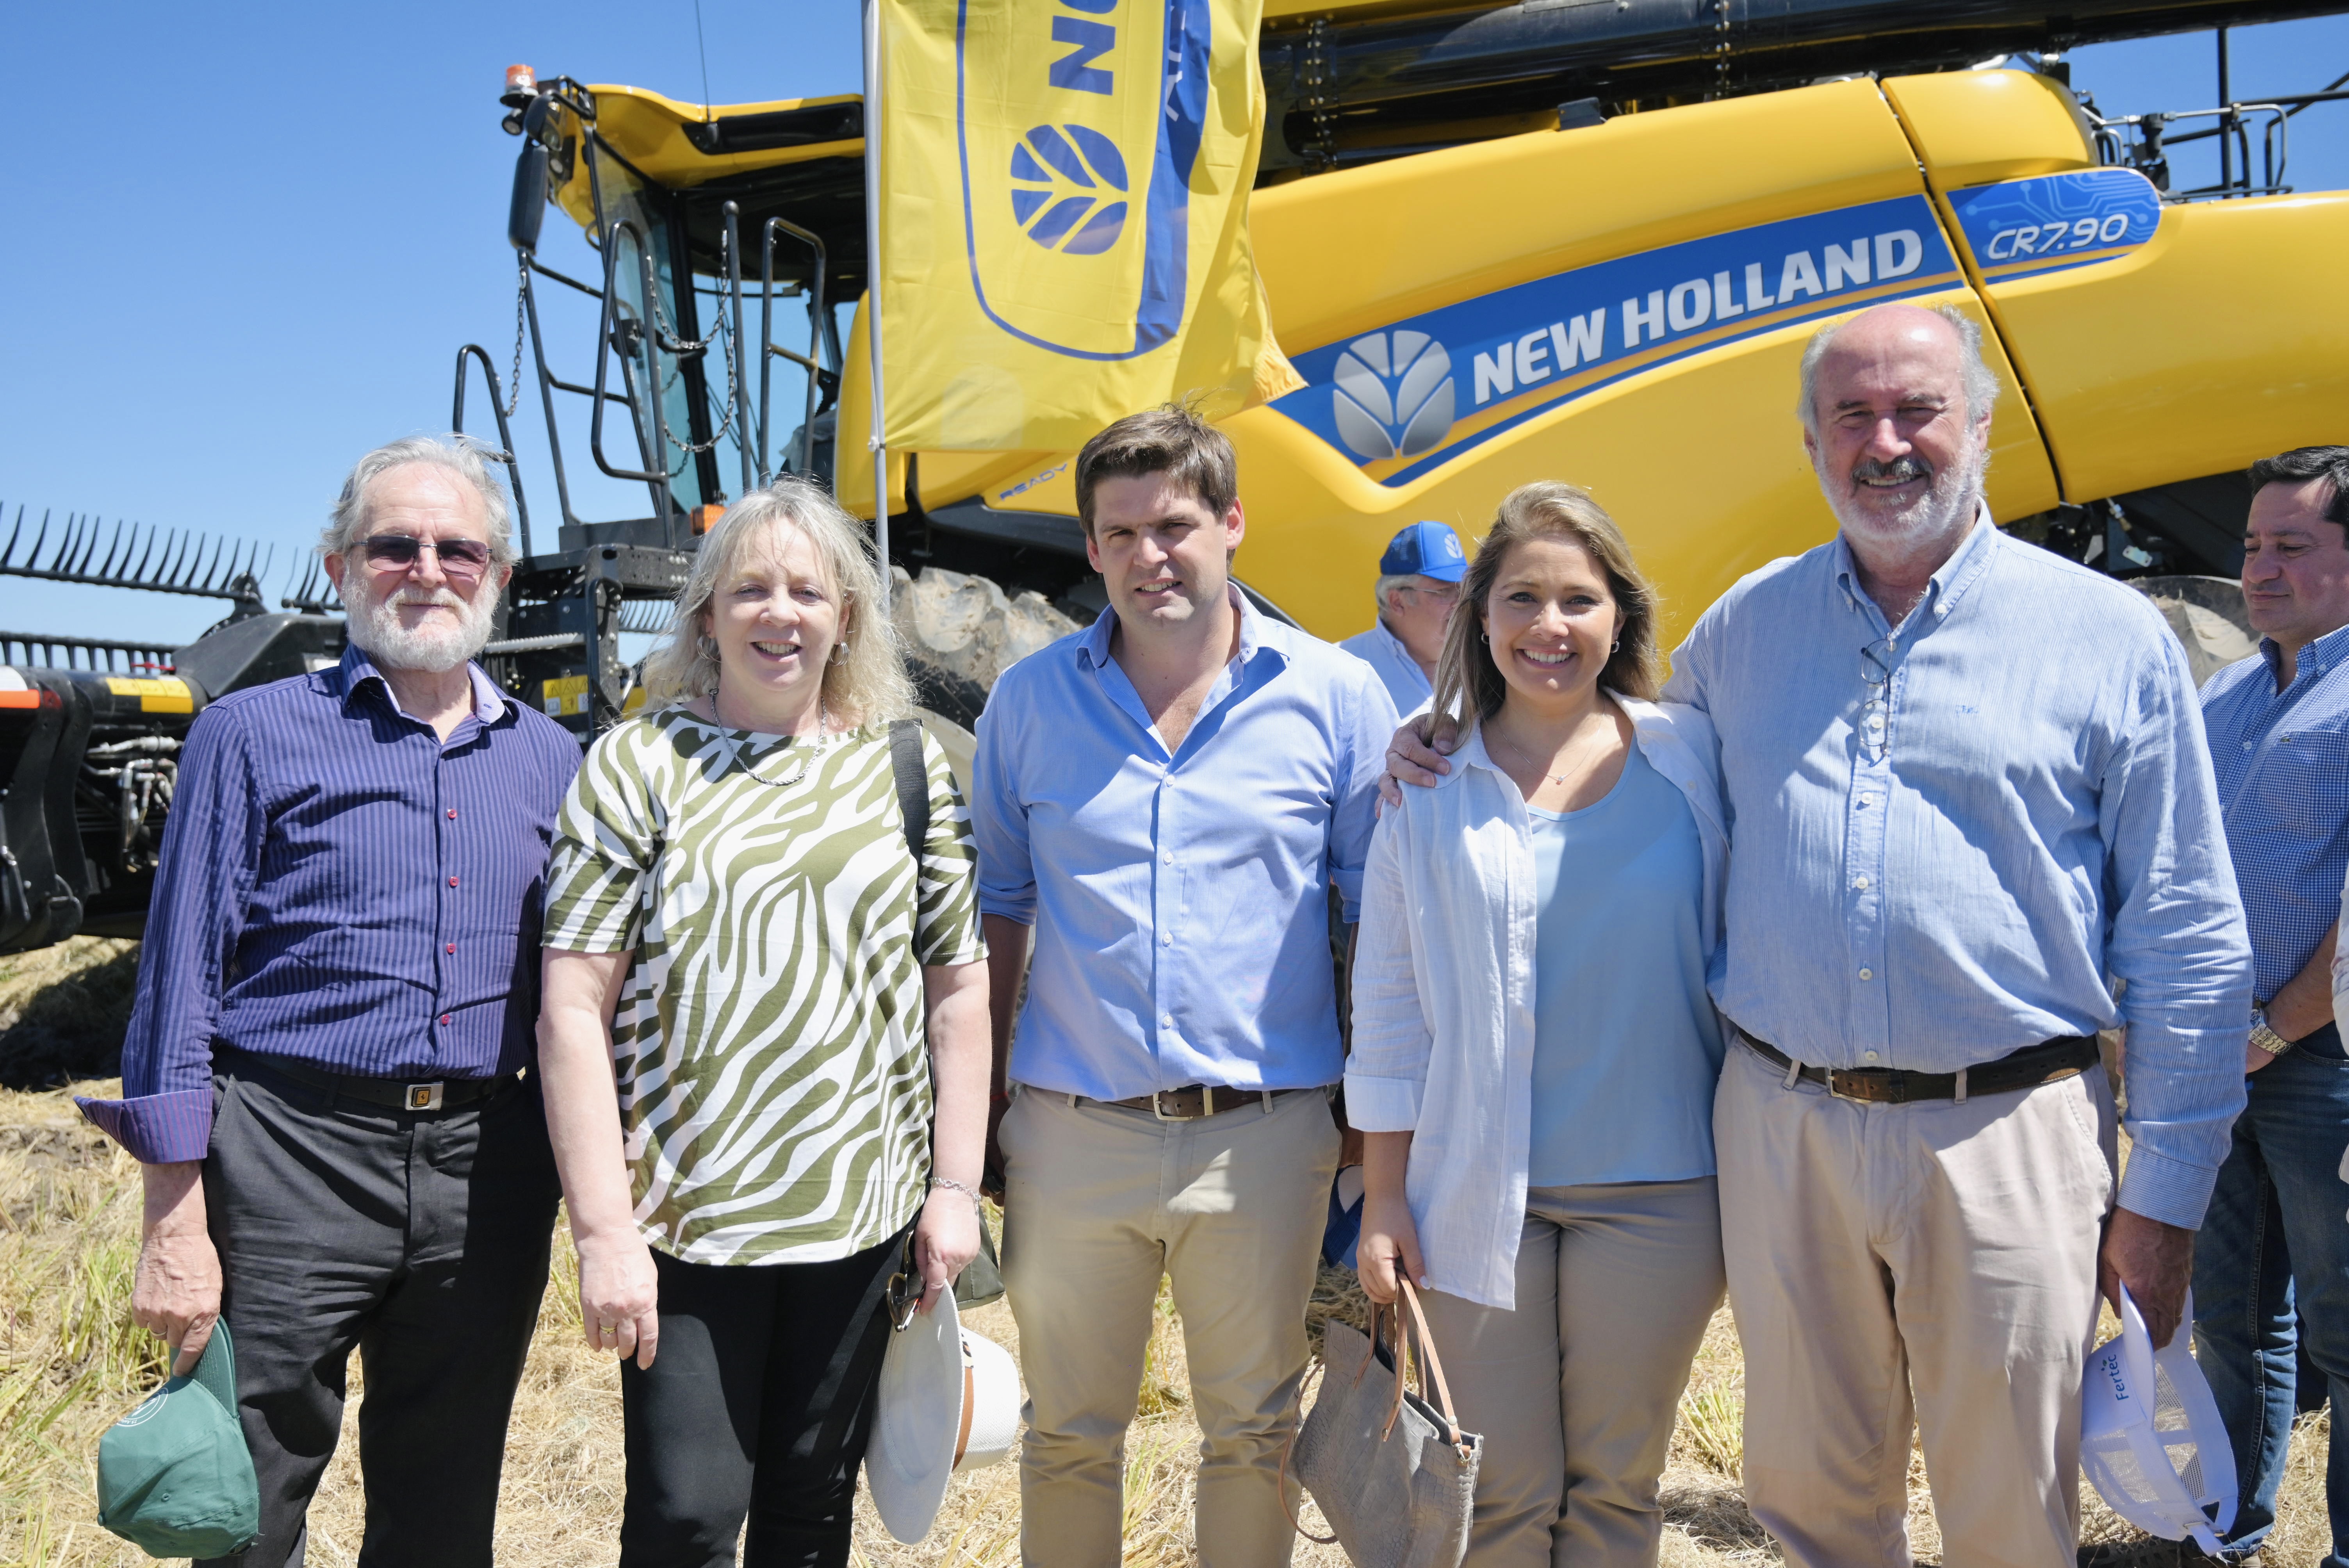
<point>2275,1245</point>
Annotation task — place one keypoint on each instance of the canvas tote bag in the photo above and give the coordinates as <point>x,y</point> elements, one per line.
<point>1395,1474</point>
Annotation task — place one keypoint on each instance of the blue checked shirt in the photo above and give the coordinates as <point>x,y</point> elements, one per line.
<point>2283,759</point>
<point>1948,843</point>
<point>1179,900</point>
<point>341,886</point>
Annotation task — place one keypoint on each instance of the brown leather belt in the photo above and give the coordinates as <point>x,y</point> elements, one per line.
<point>438,1094</point>
<point>2064,1056</point>
<point>1195,1101</point>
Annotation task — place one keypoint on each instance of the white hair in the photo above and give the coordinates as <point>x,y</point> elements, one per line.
<point>1981,386</point>
<point>1390,582</point>
<point>466,458</point>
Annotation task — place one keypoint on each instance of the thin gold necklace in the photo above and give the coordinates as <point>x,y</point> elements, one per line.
<point>824,726</point>
<point>1558,779</point>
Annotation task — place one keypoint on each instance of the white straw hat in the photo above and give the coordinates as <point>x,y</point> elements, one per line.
<point>2150,1437</point>
<point>948,1401</point>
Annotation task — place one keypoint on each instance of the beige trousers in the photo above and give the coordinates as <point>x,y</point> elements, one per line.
<point>1100,1203</point>
<point>1573,1391</point>
<point>1942,1250</point>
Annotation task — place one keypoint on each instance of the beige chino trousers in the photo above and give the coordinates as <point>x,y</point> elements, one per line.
<point>1942,1250</point>
<point>1100,1203</point>
<point>1574,1392</point>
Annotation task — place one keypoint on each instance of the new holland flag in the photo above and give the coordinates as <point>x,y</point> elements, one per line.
<point>1064,219</point>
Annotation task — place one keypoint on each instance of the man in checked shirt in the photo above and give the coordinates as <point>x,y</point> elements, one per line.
<point>324,1078</point>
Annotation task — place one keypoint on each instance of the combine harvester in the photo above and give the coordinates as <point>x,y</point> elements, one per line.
<point>1577,239</point>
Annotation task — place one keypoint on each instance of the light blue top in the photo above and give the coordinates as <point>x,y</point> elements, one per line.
<point>2282,757</point>
<point>1381,649</point>
<point>1626,1047</point>
<point>1179,900</point>
<point>1947,841</point>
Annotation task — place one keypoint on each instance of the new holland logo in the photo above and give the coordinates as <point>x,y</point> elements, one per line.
<point>1392,395</point>
<point>1068,190</point>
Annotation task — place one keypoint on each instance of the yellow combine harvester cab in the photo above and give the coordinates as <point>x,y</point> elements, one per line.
<point>1618,298</point>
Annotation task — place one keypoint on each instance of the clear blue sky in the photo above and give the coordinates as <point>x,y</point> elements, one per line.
<point>243,241</point>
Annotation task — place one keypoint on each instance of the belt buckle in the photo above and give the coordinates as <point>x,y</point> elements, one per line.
<point>421,1097</point>
<point>1158,1105</point>
<point>1881,1075</point>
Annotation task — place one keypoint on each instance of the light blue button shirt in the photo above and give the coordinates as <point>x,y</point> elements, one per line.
<point>2282,759</point>
<point>1381,649</point>
<point>1947,842</point>
<point>1179,900</point>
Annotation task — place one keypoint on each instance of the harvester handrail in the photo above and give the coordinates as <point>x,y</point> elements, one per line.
<point>505,453</point>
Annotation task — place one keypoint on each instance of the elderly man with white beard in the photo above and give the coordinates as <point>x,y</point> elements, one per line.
<point>1973,821</point>
<point>327,1073</point>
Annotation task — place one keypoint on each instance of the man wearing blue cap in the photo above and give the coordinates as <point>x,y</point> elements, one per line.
<point>1419,578</point>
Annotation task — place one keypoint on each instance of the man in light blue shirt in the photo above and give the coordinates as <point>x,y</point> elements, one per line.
<point>1166,800</point>
<point>1419,580</point>
<point>2272,1272</point>
<point>1973,822</point>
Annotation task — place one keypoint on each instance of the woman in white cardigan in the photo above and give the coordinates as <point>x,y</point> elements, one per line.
<point>1533,1050</point>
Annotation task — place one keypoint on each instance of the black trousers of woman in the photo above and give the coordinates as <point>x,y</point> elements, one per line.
<point>758,1403</point>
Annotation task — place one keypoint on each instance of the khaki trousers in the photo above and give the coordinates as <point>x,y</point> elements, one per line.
<point>1574,1392</point>
<point>1100,1203</point>
<point>1945,1248</point>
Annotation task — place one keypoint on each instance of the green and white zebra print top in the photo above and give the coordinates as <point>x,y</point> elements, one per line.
<point>773,1067</point>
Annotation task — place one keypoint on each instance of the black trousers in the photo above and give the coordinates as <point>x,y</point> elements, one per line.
<point>420,1237</point>
<point>759,1402</point>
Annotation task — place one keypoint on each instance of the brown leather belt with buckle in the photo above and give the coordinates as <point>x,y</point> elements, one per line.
<point>2064,1057</point>
<point>440,1094</point>
<point>1195,1101</point>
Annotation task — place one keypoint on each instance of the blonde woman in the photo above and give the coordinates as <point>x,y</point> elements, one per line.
<point>744,967</point>
<point>1533,1050</point>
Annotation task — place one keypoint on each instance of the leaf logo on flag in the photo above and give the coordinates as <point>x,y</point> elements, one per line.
<point>1066,181</point>
<point>1392,395</point>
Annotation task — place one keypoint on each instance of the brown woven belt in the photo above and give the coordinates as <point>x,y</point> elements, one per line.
<point>1192,1101</point>
<point>2064,1056</point>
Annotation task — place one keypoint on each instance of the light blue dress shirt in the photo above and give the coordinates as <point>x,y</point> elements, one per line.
<point>1626,1049</point>
<point>2282,759</point>
<point>1947,842</point>
<point>1381,649</point>
<point>1179,900</point>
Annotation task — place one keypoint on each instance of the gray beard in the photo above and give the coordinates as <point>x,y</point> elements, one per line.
<point>1947,508</point>
<point>375,626</point>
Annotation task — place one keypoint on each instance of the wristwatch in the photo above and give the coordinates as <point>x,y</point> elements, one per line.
<point>2265,1038</point>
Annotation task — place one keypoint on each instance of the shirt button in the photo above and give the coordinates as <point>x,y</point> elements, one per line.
<point>1167,1022</point>
<point>1167,940</point>
<point>452,948</point>
<point>452,881</point>
<point>1867,973</point>
<point>2247,746</point>
<point>453,813</point>
<point>444,1020</point>
<point>1859,882</point>
<point>1168,858</point>
<point>1868,1055</point>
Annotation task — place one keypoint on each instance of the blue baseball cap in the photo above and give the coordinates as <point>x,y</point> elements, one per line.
<point>1425,550</point>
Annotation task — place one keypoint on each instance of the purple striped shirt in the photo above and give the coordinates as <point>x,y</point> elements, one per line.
<point>342,887</point>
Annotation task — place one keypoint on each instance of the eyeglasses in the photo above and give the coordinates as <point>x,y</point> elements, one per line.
<point>1448,593</point>
<point>904,1296</point>
<point>460,558</point>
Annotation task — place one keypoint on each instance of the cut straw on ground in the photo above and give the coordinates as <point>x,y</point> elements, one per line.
<point>70,1363</point>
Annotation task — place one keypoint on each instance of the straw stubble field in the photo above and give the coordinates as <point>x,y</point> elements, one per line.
<point>70,1363</point>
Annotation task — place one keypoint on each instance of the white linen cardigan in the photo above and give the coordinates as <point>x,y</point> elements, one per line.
<point>1444,991</point>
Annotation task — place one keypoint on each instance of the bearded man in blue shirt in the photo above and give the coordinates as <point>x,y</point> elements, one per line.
<point>326,1074</point>
<point>1165,800</point>
<point>1968,791</point>
<point>2273,1265</point>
